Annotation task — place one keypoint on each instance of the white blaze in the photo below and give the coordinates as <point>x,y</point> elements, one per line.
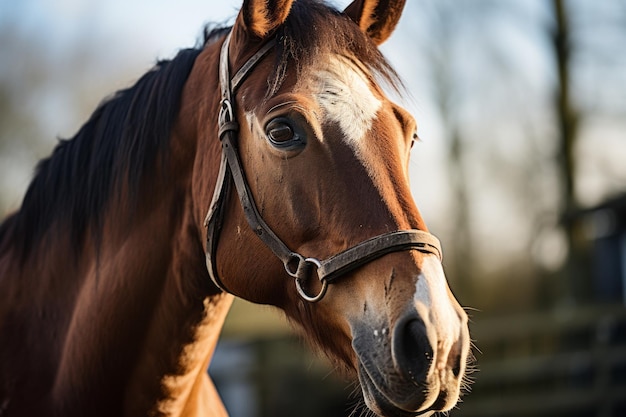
<point>431,290</point>
<point>343,92</point>
<point>432,301</point>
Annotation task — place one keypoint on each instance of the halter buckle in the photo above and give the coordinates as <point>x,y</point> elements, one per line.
<point>226,118</point>
<point>226,111</point>
<point>304,269</point>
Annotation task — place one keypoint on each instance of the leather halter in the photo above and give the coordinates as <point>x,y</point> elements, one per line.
<point>296,265</point>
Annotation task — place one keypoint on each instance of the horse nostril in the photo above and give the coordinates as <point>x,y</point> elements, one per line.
<point>456,358</point>
<point>456,368</point>
<point>412,350</point>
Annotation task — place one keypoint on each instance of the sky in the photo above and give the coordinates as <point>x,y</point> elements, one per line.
<point>141,29</point>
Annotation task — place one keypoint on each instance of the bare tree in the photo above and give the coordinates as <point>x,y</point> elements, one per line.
<point>567,116</point>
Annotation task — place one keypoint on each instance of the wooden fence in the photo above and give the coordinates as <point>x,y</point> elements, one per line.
<point>563,363</point>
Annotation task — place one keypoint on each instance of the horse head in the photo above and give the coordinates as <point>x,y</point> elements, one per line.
<point>312,211</point>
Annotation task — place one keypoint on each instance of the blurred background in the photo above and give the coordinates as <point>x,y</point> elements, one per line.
<point>521,172</point>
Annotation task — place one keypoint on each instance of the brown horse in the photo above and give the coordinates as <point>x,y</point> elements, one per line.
<point>114,281</point>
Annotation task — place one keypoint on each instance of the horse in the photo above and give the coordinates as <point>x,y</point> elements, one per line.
<point>267,164</point>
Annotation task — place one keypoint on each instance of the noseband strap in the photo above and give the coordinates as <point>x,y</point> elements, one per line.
<point>297,266</point>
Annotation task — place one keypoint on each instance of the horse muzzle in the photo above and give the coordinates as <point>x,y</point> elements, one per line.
<point>414,364</point>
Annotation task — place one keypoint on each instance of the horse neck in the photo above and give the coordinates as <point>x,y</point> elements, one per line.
<point>133,319</point>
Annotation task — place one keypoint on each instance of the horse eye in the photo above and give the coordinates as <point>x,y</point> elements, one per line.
<point>279,132</point>
<point>285,134</point>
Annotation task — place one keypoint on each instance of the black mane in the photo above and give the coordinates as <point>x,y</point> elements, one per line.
<point>115,146</point>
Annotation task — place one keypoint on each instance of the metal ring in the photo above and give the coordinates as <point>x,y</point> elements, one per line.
<point>299,280</point>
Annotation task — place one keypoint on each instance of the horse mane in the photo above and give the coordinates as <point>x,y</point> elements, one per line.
<point>116,146</point>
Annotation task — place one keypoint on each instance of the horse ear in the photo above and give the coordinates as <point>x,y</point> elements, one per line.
<point>260,17</point>
<point>377,18</point>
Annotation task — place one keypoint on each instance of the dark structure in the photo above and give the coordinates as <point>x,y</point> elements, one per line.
<point>605,231</point>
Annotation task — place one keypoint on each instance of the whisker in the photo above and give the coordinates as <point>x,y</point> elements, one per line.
<point>335,370</point>
<point>474,347</point>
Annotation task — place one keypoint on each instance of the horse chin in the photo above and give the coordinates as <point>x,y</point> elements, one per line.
<point>386,401</point>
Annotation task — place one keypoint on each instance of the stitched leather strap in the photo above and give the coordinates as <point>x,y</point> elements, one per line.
<point>356,256</point>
